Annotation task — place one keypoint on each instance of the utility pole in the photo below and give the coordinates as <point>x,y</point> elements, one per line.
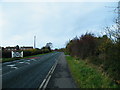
<point>34,42</point>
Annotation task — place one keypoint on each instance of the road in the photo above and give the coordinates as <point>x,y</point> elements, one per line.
<point>61,77</point>
<point>27,73</point>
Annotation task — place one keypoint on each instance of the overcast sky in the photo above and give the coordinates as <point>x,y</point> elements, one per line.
<point>55,22</point>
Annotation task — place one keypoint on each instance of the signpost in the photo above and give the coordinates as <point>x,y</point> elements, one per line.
<point>17,54</point>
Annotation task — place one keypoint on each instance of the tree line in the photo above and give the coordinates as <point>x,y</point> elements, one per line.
<point>102,51</point>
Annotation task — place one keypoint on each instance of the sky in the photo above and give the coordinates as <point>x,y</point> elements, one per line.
<point>54,21</point>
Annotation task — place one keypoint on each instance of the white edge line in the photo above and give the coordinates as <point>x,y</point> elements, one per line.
<point>42,84</point>
<point>50,76</point>
<point>46,77</point>
<point>47,80</point>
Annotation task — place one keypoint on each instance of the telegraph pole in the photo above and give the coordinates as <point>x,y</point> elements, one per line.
<point>34,42</point>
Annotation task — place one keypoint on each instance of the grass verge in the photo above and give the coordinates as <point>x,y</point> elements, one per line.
<point>88,77</point>
<point>12,59</point>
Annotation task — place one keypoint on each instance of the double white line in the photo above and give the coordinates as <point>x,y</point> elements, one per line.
<point>47,78</point>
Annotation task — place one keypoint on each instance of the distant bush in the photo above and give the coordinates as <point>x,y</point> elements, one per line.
<point>6,54</point>
<point>45,50</point>
<point>27,53</point>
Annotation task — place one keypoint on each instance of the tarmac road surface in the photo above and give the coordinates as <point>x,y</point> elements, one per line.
<point>27,73</point>
<point>61,77</point>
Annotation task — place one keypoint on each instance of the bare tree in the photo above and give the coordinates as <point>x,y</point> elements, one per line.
<point>49,45</point>
<point>113,32</point>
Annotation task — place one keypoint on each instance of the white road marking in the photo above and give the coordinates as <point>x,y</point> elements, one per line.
<point>46,82</point>
<point>6,73</point>
<point>21,62</point>
<point>11,65</point>
<point>15,67</point>
<point>48,76</point>
<point>27,62</point>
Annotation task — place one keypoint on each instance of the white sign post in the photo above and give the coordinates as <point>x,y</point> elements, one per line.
<point>17,54</point>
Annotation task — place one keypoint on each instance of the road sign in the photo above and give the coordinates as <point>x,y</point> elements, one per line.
<point>17,54</point>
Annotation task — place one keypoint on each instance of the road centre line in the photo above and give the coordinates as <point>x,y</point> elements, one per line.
<point>45,79</point>
<point>46,82</point>
<point>48,76</point>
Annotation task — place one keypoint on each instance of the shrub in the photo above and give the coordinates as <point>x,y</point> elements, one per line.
<point>6,54</point>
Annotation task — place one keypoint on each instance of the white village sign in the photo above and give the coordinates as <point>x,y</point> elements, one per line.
<point>17,54</point>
